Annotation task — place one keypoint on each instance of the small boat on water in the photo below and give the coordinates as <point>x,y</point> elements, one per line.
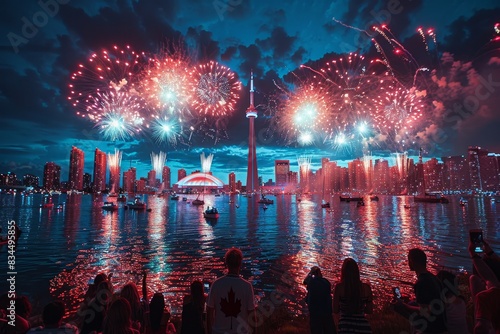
<point>184,199</point>
<point>463,201</point>
<point>430,198</point>
<point>122,198</point>
<point>174,197</point>
<point>109,206</point>
<point>325,205</point>
<point>211,213</point>
<point>264,207</point>
<point>137,204</point>
<point>349,199</point>
<point>48,204</point>
<point>264,200</point>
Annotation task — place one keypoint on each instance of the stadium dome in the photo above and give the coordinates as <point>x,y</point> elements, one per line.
<point>200,180</point>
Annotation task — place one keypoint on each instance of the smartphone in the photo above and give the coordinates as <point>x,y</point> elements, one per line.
<point>206,286</point>
<point>396,292</point>
<point>476,238</point>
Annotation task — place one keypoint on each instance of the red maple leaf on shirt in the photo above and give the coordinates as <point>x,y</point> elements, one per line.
<point>231,306</point>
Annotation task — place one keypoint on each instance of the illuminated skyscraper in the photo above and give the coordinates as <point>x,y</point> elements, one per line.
<point>76,162</point>
<point>252,175</point>
<point>232,182</point>
<point>181,173</point>
<point>51,176</point>
<point>99,171</point>
<point>281,170</point>
<point>166,177</point>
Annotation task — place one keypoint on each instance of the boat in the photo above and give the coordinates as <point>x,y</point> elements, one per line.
<point>122,198</point>
<point>374,198</point>
<point>430,198</point>
<point>349,199</point>
<point>112,195</point>
<point>325,205</point>
<point>48,204</point>
<point>360,203</point>
<point>198,201</point>
<point>264,207</point>
<point>109,206</point>
<point>174,197</point>
<point>407,206</point>
<point>211,213</point>
<point>184,199</point>
<point>264,200</point>
<point>217,194</point>
<point>463,201</point>
<point>137,204</point>
<point>59,207</point>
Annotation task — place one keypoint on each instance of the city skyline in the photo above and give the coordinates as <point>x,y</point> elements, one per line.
<point>478,170</point>
<point>44,43</point>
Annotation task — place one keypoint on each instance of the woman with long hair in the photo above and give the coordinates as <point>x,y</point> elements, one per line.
<point>352,299</point>
<point>118,319</point>
<point>138,308</point>
<point>192,310</point>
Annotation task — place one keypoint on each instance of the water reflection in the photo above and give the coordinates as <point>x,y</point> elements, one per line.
<point>61,250</point>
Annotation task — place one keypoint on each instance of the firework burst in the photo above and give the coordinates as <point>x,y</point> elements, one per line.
<point>115,70</point>
<point>216,90</point>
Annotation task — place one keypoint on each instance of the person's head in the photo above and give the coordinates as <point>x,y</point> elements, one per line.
<point>104,292</point>
<point>156,309</point>
<point>131,293</point>
<point>233,259</point>
<point>316,272</point>
<point>100,278</point>
<point>349,271</point>
<point>53,314</point>
<point>23,307</point>
<point>417,260</point>
<point>118,318</point>
<point>197,292</point>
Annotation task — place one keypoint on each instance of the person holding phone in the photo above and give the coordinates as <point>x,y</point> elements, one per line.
<point>426,315</point>
<point>486,301</point>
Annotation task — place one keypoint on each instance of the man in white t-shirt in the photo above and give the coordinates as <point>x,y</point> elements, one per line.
<point>230,306</point>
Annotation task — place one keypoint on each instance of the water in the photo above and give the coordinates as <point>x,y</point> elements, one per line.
<point>61,250</point>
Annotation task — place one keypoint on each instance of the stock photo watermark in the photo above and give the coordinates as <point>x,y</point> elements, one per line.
<point>31,25</point>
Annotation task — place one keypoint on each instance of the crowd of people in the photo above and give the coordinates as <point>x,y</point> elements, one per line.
<point>436,307</point>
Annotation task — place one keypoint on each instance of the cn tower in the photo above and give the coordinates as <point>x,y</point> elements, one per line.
<point>252,175</point>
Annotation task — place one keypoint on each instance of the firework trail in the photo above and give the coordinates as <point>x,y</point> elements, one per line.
<point>350,27</point>
<point>114,163</point>
<point>206,162</point>
<point>158,162</point>
<point>421,32</point>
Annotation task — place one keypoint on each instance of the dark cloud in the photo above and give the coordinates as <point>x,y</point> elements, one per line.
<point>201,42</point>
<point>280,43</point>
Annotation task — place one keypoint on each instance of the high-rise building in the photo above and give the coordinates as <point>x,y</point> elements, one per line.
<point>114,164</point>
<point>152,178</point>
<point>99,171</point>
<point>87,182</point>
<point>457,176</point>
<point>252,174</point>
<point>232,182</point>
<point>165,177</point>
<point>30,180</point>
<point>129,177</point>
<point>181,173</point>
<point>281,170</point>
<point>76,163</point>
<point>51,176</point>
<point>484,169</point>
<point>381,176</point>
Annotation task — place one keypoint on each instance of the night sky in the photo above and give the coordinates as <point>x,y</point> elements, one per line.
<point>271,37</point>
